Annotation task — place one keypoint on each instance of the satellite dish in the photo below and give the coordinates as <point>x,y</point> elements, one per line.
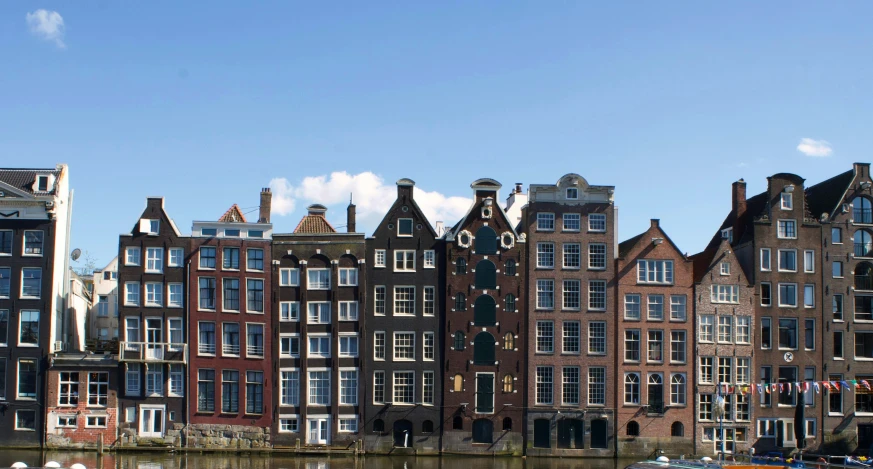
<point>75,254</point>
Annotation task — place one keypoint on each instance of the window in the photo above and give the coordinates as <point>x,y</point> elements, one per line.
<point>706,331</point>
<point>788,295</point>
<point>255,340</point>
<point>596,385</point>
<point>176,258</point>
<point>725,369</point>
<point>349,387</point>
<point>546,255</point>
<point>318,312</point>
<point>677,429</point>
<point>289,277</point>
<point>404,387</point>
<point>725,294</point>
<point>597,295</point>
<point>429,346</point>
<point>25,420</point>
<point>765,259</point>
<point>348,310</point>
<point>379,301</point>
<point>572,295</point>
<point>67,421</point>
<point>545,294</point>
<point>404,346</point>
<point>545,221</point>
<point>255,259</point>
<point>766,377</point>
<point>508,382</point>
<point>766,336</point>
<point>677,346</point>
<point>509,268</point>
<point>835,397</point>
<point>838,345</point>
<point>510,303</point>
<point>404,260</point>
<point>572,255</point>
<point>787,333</point>
<point>28,328</point>
<point>572,193</point>
<point>597,222</point>
<point>861,210</point>
<point>379,387</point>
<point>837,306</point>
<point>230,391</point>
<point>348,277</point>
<point>461,266</point>
<point>725,268</point>
<point>572,338</point>
<point>230,258</point>
<point>33,243</point>
<point>254,392</point>
<point>27,372</point>
<point>632,345</point>
<point>230,343</point>
<point>728,234</point>
<point>133,257</point>
<point>809,261</point>
<point>725,329</point>
<point>572,222</point>
<point>787,260</point>
<point>379,258</point>
<point>348,346</point>
<point>207,293</point>
<point>508,341</point>
<point>597,256</point>
<point>632,388</point>
<point>5,242</point>
<point>319,387</point>
<point>766,294</point>
<point>787,375</point>
<point>863,345</point>
<point>230,294</point>
<point>318,279</point>
<point>706,370</point>
<point>659,272</point>
<point>809,296</point>
<point>704,411</point>
<point>154,260</point>
<point>655,346</point>
<point>98,388</point>
<point>206,345</point>
<point>837,269</point>
<point>743,370</point>
<point>570,385</point>
<point>404,227</point>
<point>545,337</point>
<point>458,341</point>
<point>429,306</point>
<point>836,236</point>
<point>743,330</point>
<point>68,394</point>
<point>677,308</point>
<point>656,307</point>
<point>632,306</point>
<point>429,259</point>
<point>677,389</point>
<point>544,383</point>
<point>787,202</point>
<point>132,379</point>
<point>5,282</point>
<point>154,294</point>
<point>205,390</point>
<point>460,302</point>
<point>289,310</point>
<point>289,344</point>
<point>31,282</point>
<point>255,295</point>
<point>787,229</point>
<point>404,301</point>
<point>597,338</point>
<point>348,424</point>
<point>175,296</point>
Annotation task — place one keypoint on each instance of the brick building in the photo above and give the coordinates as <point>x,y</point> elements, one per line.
<point>231,321</point>
<point>571,228</point>
<point>655,363</point>
<point>82,401</point>
<point>319,295</point>
<point>485,324</point>
<point>724,311</point>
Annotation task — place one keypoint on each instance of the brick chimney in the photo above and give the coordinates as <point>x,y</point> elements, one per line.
<point>655,222</point>
<point>266,205</point>
<point>738,204</point>
<point>350,217</point>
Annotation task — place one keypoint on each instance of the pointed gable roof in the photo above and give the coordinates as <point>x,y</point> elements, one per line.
<point>402,183</point>
<point>825,196</point>
<point>314,222</point>
<point>233,215</point>
<point>626,246</point>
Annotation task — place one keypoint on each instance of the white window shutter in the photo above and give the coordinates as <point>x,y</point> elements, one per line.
<point>144,225</point>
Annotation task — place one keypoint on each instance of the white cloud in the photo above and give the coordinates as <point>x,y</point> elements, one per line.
<point>815,148</point>
<point>743,165</point>
<point>372,196</point>
<point>47,25</point>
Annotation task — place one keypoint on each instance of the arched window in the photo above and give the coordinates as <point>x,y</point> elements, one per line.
<point>633,428</point>
<point>486,274</point>
<point>427,426</point>
<point>485,311</point>
<point>508,383</point>
<point>861,210</point>
<point>483,349</point>
<point>485,241</point>
<point>458,384</point>
<point>459,340</point>
<point>508,341</point>
<point>864,276</point>
<point>510,303</point>
<point>677,390</point>
<point>863,243</point>
<point>457,423</point>
<point>379,425</point>
<point>509,268</point>
<point>507,424</point>
<point>483,431</point>
<point>677,429</point>
<point>632,388</point>
<point>461,266</point>
<point>656,393</point>
<point>460,302</point>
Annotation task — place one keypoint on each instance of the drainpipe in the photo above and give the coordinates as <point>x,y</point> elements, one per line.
<point>187,351</point>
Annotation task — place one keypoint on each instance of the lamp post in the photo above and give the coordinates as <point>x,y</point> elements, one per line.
<point>720,411</point>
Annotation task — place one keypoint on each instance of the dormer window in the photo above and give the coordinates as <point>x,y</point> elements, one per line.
<point>231,233</point>
<point>728,234</point>
<point>148,226</point>
<point>787,201</point>
<point>208,232</point>
<point>404,227</point>
<point>572,193</point>
<point>42,183</point>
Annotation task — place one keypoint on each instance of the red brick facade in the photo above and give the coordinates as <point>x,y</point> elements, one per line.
<point>81,402</point>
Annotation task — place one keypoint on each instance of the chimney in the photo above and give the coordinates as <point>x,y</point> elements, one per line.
<point>655,223</point>
<point>440,228</point>
<point>518,187</point>
<point>266,204</point>
<point>350,217</point>
<point>738,201</point>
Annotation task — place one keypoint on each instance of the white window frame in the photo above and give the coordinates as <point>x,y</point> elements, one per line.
<point>571,217</point>
<point>779,230</point>
<point>429,261</point>
<point>779,292</point>
<point>809,261</point>
<point>786,201</point>
<point>293,277</point>
<point>347,337</point>
<point>411,227</point>
<point>292,306</point>
<point>766,260</point>
<point>129,252</point>
<point>591,221</point>
<point>379,258</point>
<point>319,285</point>
<point>395,347</point>
<point>398,301</point>
<point>323,309</point>
<point>349,273</point>
<point>404,256</point>
<point>154,263</point>
<point>320,337</point>
<point>176,257</point>
<point>181,295</point>
<point>779,260</point>
<point>543,220</point>
<point>351,313</point>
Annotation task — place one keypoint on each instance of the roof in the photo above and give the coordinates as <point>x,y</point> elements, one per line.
<point>314,223</point>
<point>23,179</point>
<point>625,246</point>
<point>755,206</point>
<point>233,215</point>
<point>826,195</point>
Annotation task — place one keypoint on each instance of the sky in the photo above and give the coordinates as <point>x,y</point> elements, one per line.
<point>205,103</point>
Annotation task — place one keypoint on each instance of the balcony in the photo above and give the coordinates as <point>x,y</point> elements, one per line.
<point>656,408</point>
<point>862,215</point>
<point>863,249</point>
<point>230,349</point>
<point>256,351</point>
<point>153,352</point>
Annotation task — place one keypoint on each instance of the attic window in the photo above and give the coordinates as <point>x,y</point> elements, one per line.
<point>208,232</point>
<point>256,233</point>
<point>42,183</point>
<point>728,234</point>
<point>725,268</point>
<point>572,193</point>
<point>231,233</point>
<point>404,227</point>
<point>149,226</point>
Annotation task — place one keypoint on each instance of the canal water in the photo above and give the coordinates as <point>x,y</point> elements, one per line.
<point>161,460</point>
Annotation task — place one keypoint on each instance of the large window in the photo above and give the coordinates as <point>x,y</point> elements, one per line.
<point>205,390</point>
<point>864,345</point>
<point>597,256</point>
<point>572,255</point>
<point>318,279</point>
<point>545,294</point>
<point>68,394</point>
<point>206,344</point>
<point>725,294</point>
<point>632,306</point>
<point>706,370</point>
<point>787,260</point>
<point>207,258</point>
<point>545,337</point>
<point>787,333</point>
<point>655,304</point>
<point>545,255</point>
<point>349,387</point>
<point>659,272</point>
<point>404,387</point>
<point>678,311</point>
<point>404,301</point>
<point>98,388</point>
<point>230,391</point>
<point>33,243</point>
<point>255,295</point>
<point>404,346</point>
<point>632,345</point>
<point>207,293</point>
<point>28,333</point>
<point>861,210</point>
<point>655,346</point>
<point>289,277</point>
<point>787,229</point>
<point>677,346</point>
<point>788,295</point>
<point>27,372</point>
<point>5,282</point>
<point>378,387</point>
<point>404,260</point>
<point>154,260</point>
<point>319,387</point>
<point>254,392</point>
<point>597,295</point>
<point>544,385</point>
<point>570,385</point>
<point>597,222</point>
<point>677,389</point>
<point>632,388</point>
<point>597,338</point>
<point>596,385</point>
<point>230,294</point>
<point>545,221</point>
<point>571,337</point>
<point>31,282</point>
<point>318,312</point>
<point>255,259</point>
<point>572,295</point>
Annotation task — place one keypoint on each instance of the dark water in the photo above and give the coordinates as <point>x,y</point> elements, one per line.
<point>160,460</point>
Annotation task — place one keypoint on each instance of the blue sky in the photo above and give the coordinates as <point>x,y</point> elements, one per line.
<point>207,102</point>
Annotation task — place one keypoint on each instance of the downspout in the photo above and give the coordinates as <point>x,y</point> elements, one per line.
<point>187,350</point>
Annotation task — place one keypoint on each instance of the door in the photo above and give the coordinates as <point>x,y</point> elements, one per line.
<point>151,421</point>
<point>154,339</point>
<point>485,393</point>
<point>865,438</point>
<point>318,431</point>
<point>403,434</point>
<point>570,434</point>
<point>599,436</point>
<point>542,433</point>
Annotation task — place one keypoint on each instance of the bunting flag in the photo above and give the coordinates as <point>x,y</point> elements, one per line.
<point>845,384</point>
<point>836,385</point>
<point>866,384</point>
<point>798,386</point>
<point>816,387</point>
<point>760,389</point>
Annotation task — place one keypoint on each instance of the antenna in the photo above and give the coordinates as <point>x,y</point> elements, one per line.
<point>76,254</point>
